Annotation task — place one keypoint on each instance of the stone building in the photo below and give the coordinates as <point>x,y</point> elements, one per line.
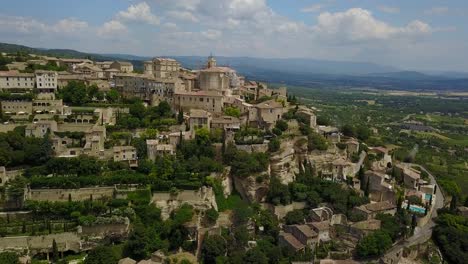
<point>14,81</point>
<point>322,229</point>
<point>266,114</point>
<point>126,154</point>
<point>211,101</point>
<point>199,119</point>
<point>122,66</point>
<point>41,128</point>
<point>145,87</point>
<point>155,148</point>
<point>46,84</point>
<point>217,78</point>
<point>372,209</point>
<point>164,68</point>
<point>89,70</point>
<point>229,123</point>
<point>18,107</point>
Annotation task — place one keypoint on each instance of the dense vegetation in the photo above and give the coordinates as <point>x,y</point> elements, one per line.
<point>16,149</point>
<point>451,235</point>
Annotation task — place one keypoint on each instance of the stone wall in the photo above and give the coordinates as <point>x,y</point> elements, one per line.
<point>62,195</point>
<point>253,148</point>
<point>41,244</point>
<point>282,210</point>
<point>104,230</point>
<point>202,199</point>
<point>9,127</point>
<point>6,175</point>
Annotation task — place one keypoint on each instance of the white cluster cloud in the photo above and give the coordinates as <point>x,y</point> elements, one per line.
<point>111,28</point>
<point>139,13</point>
<point>357,25</point>
<point>237,27</point>
<point>32,26</point>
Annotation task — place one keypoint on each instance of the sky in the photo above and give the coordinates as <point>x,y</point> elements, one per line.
<point>408,34</point>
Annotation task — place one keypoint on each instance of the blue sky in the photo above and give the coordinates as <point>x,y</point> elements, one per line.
<point>409,34</point>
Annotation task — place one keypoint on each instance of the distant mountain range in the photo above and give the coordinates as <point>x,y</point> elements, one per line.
<point>294,71</point>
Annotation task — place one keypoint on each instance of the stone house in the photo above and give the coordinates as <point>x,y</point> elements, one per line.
<point>18,107</point>
<point>199,119</point>
<point>411,178</point>
<point>162,68</point>
<point>126,154</point>
<point>289,241</point>
<point>146,87</point>
<point>48,106</point>
<point>155,148</point>
<point>211,101</point>
<point>122,66</point>
<point>15,81</point>
<point>352,146</point>
<point>266,114</point>
<point>372,209</point>
<point>89,69</point>
<point>303,233</point>
<point>46,82</point>
<point>40,128</point>
<point>226,123</point>
<point>320,214</point>
<point>322,229</point>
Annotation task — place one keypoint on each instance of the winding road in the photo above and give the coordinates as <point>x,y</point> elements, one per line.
<point>422,233</point>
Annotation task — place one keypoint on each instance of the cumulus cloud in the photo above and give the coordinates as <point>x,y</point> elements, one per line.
<point>69,25</point>
<point>312,8</point>
<point>358,25</point>
<point>139,13</point>
<point>27,25</point>
<point>183,16</point>
<point>389,9</point>
<point>112,28</point>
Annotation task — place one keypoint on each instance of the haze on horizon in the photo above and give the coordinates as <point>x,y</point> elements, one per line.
<point>419,35</point>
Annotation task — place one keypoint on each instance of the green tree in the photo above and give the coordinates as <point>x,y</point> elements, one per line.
<point>274,145</point>
<point>180,117</point>
<point>294,217</point>
<point>348,130</point>
<point>9,258</point>
<point>137,109</point>
<point>55,253</point>
<point>75,93</point>
<point>232,111</point>
<point>211,215</point>
<point>374,244</point>
<point>101,255</point>
<point>255,256</point>
<point>281,125</point>
<point>112,96</point>
<point>317,141</point>
<point>213,247</point>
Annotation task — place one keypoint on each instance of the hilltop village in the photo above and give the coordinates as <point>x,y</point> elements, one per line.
<point>173,165</point>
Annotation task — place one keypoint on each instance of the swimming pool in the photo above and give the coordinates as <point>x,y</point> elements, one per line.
<point>428,197</point>
<point>417,209</point>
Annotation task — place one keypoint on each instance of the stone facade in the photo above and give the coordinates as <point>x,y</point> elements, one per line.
<point>63,195</point>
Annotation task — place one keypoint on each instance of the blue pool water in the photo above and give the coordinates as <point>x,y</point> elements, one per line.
<point>428,197</point>
<point>417,209</point>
